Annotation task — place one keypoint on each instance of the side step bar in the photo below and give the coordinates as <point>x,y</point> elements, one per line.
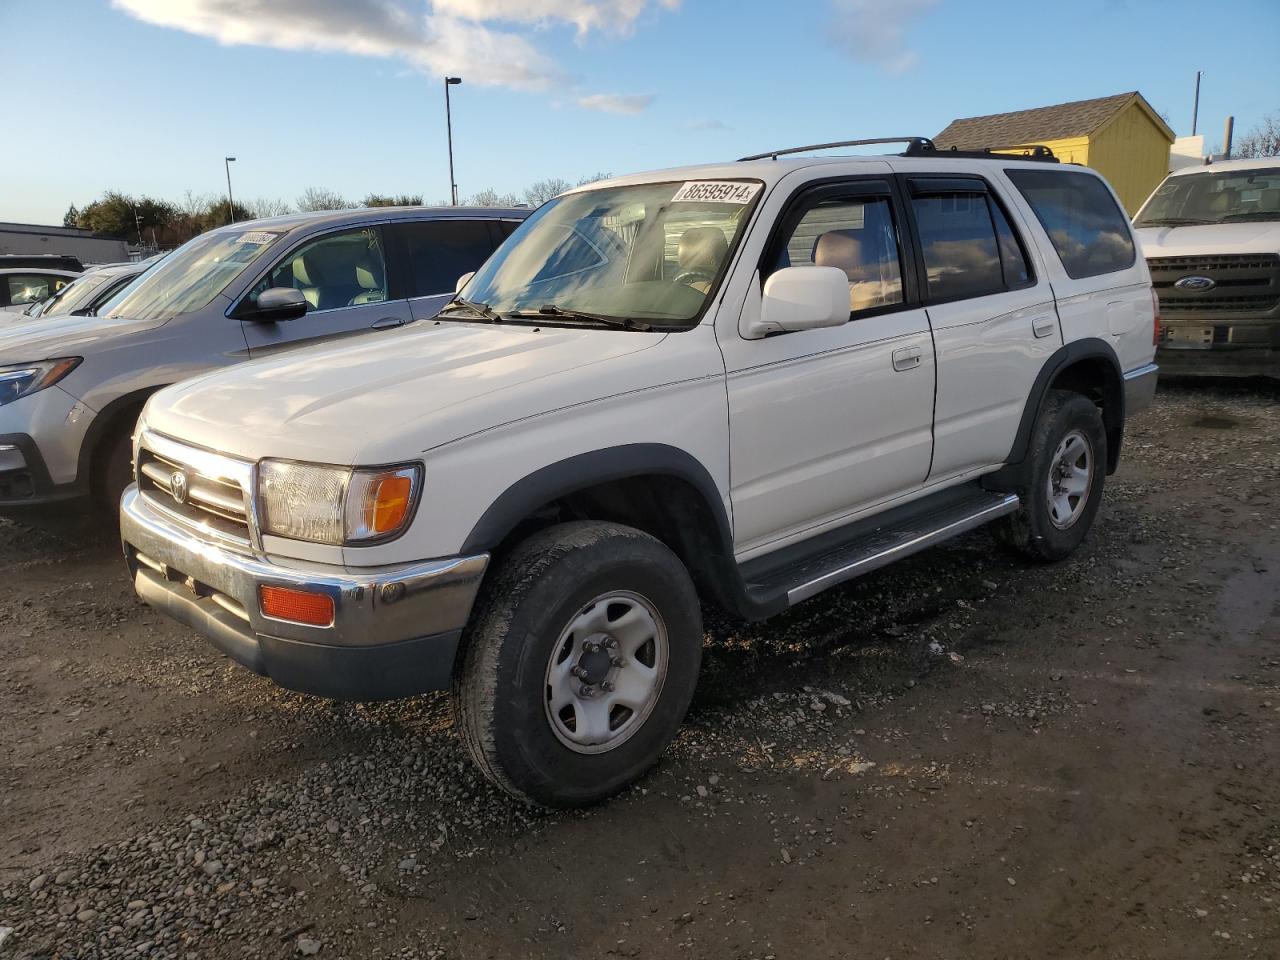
<point>892,540</point>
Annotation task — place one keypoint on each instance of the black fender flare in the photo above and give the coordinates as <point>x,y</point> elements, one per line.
<point>584,470</point>
<point>102,422</point>
<point>1088,348</point>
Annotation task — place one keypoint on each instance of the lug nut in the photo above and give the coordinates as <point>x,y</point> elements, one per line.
<point>610,644</point>
<point>617,662</point>
<point>586,691</point>
<point>579,672</point>
<point>591,647</point>
<point>606,686</point>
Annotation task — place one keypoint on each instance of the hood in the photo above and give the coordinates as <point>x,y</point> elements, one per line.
<point>383,397</point>
<point>1259,236</point>
<point>23,339</point>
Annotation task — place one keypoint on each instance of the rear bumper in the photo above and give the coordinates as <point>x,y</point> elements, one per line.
<point>395,631</point>
<point>1221,362</point>
<point>1140,388</point>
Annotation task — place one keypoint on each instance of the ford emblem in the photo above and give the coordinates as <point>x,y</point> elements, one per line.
<point>1196,284</point>
<point>178,485</point>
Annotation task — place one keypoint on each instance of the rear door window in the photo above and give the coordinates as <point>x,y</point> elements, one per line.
<point>438,252</point>
<point>1087,228</point>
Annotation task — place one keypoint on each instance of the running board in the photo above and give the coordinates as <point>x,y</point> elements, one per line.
<point>886,543</point>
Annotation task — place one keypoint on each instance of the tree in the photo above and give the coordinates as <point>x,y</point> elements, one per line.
<point>393,200</point>
<point>1262,141</point>
<point>266,207</point>
<point>120,215</point>
<point>318,198</point>
<point>492,198</point>
<point>71,216</point>
<point>594,178</point>
<point>536,194</point>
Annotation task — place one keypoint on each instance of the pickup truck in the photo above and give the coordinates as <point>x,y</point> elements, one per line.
<point>739,384</point>
<point>1211,236</point>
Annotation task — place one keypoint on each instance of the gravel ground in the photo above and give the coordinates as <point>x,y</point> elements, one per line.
<point>959,756</point>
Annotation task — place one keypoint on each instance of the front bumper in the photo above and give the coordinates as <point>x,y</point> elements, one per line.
<point>1220,347</point>
<point>395,631</point>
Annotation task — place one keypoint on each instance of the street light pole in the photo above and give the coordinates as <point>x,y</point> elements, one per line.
<point>231,204</point>
<point>448,122</point>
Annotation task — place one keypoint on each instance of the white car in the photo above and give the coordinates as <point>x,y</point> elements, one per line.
<point>1211,236</point>
<point>22,286</point>
<point>741,383</point>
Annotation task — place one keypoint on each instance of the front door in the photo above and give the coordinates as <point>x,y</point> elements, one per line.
<point>826,423</point>
<point>344,277</point>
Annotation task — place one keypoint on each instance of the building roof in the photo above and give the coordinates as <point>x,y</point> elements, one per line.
<point>1080,118</point>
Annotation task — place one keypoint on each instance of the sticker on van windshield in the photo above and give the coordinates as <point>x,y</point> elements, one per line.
<point>717,191</point>
<point>257,237</point>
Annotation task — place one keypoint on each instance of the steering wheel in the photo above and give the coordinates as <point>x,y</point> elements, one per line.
<point>691,277</point>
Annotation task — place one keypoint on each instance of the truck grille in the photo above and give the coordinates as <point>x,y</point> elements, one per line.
<point>202,489</point>
<point>1245,285</point>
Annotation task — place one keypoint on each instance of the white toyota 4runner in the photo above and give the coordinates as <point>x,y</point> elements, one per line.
<point>741,383</point>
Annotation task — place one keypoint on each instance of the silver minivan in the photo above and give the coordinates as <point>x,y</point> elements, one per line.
<point>71,387</point>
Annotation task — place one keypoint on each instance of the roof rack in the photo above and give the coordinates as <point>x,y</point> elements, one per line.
<point>911,142</point>
<point>922,147</point>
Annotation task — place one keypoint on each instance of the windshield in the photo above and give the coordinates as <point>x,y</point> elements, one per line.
<point>191,276</point>
<point>652,253</point>
<point>1224,196</point>
<point>75,295</point>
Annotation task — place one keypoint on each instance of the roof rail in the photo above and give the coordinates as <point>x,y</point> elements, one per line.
<point>913,143</point>
<point>1019,151</point>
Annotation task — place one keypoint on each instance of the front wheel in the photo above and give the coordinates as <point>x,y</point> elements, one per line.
<point>1062,487</point>
<point>580,665</point>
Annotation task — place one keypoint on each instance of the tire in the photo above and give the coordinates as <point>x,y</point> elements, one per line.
<point>1052,521</point>
<point>116,467</point>
<point>518,705</point>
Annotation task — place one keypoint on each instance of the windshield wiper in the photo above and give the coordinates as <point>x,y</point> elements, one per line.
<point>559,313</point>
<point>1171,222</point>
<point>481,310</point>
<point>1260,214</point>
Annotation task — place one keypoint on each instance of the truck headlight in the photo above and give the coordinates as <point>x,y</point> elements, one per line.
<point>19,379</point>
<point>336,505</point>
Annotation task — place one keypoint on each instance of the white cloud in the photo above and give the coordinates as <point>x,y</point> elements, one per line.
<point>437,37</point>
<point>874,31</point>
<point>616,102</point>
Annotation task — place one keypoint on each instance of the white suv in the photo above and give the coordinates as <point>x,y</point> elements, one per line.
<point>741,383</point>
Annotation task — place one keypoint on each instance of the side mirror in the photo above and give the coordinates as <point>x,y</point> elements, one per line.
<point>278,303</point>
<point>804,298</point>
<point>463,281</point>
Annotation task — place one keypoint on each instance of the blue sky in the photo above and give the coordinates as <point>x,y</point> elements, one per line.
<point>563,88</point>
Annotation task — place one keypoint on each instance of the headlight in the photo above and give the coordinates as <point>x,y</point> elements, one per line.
<point>20,379</point>
<point>337,505</point>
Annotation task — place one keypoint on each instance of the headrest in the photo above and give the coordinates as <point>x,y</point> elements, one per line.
<point>702,248</point>
<point>302,273</point>
<point>368,275</point>
<point>843,249</point>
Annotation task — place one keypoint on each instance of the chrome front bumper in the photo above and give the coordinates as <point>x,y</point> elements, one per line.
<point>395,630</point>
<point>1140,388</point>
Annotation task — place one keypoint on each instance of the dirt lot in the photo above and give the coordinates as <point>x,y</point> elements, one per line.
<point>958,757</point>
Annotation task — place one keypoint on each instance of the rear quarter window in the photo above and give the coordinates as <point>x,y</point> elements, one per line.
<point>1087,228</point>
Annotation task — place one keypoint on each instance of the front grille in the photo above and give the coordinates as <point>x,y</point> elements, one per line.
<point>204,498</point>
<point>1245,284</point>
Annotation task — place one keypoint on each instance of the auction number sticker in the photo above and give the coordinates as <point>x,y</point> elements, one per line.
<point>257,237</point>
<point>717,191</point>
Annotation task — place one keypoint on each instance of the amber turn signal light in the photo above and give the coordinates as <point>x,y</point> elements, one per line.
<point>387,502</point>
<point>296,606</point>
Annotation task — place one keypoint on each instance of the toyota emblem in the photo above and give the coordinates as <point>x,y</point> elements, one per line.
<point>1196,284</point>
<point>178,485</point>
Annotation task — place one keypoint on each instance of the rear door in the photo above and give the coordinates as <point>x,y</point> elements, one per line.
<point>992,315</point>
<point>345,279</point>
<point>435,253</point>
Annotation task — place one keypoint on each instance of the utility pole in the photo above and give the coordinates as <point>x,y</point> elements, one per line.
<point>231,204</point>
<point>1195,109</point>
<point>448,122</point>
<point>1226,138</point>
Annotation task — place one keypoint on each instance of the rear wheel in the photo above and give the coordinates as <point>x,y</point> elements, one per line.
<point>1062,487</point>
<point>581,663</point>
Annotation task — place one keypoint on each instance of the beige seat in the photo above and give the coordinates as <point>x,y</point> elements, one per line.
<point>874,281</point>
<point>701,251</point>
<point>372,283</point>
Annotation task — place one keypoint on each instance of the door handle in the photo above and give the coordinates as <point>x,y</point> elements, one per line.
<point>906,358</point>
<point>387,323</point>
<point>1043,327</point>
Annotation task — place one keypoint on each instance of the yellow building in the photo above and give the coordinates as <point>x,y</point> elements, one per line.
<point>1121,137</point>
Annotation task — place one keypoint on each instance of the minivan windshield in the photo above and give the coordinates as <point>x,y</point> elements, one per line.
<point>191,276</point>
<point>652,253</point>
<point>1215,196</point>
<point>74,296</point>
